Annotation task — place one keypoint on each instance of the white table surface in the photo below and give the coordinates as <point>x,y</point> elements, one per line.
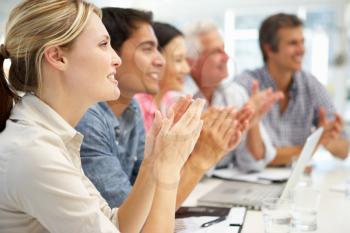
<point>334,210</point>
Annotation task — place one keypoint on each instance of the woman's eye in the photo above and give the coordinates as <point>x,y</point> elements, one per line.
<point>179,59</point>
<point>104,44</point>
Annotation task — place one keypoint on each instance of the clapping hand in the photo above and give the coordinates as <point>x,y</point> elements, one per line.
<point>262,101</point>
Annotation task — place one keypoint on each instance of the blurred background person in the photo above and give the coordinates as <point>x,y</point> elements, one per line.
<point>209,80</point>
<point>306,105</point>
<point>171,43</point>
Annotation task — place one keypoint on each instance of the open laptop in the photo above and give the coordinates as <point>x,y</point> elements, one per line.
<point>250,195</point>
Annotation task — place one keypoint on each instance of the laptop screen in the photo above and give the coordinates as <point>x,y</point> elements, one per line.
<point>304,158</point>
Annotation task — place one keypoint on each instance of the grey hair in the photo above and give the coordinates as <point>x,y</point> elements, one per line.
<point>193,33</point>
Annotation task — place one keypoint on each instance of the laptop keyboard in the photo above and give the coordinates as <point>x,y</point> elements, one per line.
<point>254,199</point>
<point>241,194</point>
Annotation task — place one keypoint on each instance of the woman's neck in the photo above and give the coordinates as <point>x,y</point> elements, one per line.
<point>159,97</point>
<point>70,105</point>
<point>70,109</point>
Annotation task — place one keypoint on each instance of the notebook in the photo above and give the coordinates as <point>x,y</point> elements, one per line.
<point>250,195</point>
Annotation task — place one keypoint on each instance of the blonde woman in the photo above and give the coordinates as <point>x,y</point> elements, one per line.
<point>62,60</point>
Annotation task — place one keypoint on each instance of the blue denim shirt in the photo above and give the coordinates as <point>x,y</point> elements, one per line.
<point>112,149</point>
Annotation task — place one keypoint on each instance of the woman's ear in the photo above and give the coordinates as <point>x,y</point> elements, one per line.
<point>195,66</point>
<point>190,61</point>
<point>55,57</point>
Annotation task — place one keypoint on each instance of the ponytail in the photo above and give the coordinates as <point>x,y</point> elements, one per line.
<point>7,97</point>
<point>31,27</point>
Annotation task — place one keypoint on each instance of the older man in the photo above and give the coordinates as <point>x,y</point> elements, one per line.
<point>209,80</point>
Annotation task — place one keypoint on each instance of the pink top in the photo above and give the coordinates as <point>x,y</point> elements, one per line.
<point>149,106</point>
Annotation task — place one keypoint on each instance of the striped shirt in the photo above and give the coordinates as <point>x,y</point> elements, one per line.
<point>306,96</point>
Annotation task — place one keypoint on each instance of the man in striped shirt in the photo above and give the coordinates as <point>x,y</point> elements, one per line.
<point>306,105</point>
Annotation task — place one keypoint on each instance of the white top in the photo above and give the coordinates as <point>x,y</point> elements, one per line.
<point>42,185</point>
<point>230,93</point>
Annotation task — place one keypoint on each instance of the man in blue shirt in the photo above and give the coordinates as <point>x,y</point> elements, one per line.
<point>114,135</point>
<point>306,105</point>
<point>112,149</point>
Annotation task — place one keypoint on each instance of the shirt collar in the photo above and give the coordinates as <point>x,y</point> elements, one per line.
<point>268,78</point>
<point>294,87</point>
<point>270,82</point>
<point>192,88</point>
<point>127,115</point>
<point>30,109</point>
<point>132,106</point>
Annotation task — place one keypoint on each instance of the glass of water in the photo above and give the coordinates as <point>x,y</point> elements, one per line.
<point>276,214</point>
<point>305,202</point>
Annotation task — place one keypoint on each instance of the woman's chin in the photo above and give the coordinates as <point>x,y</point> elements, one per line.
<point>178,88</point>
<point>116,94</point>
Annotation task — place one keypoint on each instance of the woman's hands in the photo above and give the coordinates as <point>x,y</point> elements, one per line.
<point>172,139</point>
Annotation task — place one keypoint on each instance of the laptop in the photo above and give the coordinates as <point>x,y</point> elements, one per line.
<point>250,195</point>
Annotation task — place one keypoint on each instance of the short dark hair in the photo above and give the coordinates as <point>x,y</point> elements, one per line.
<point>165,33</point>
<point>120,23</point>
<point>269,29</point>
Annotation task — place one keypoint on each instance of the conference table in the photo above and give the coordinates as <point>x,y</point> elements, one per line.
<point>328,175</point>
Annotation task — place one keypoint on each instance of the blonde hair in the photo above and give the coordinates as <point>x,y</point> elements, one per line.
<point>33,26</point>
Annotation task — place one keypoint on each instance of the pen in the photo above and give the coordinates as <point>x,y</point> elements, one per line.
<point>219,219</point>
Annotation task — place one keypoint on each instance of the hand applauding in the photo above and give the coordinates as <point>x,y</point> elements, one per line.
<point>171,140</point>
<point>222,131</point>
<point>332,129</point>
<point>262,101</point>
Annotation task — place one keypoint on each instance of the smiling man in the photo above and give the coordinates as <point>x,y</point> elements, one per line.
<point>306,104</point>
<point>114,135</point>
<point>210,80</point>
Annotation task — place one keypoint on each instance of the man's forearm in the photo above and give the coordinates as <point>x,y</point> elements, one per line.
<point>254,142</point>
<point>338,147</point>
<point>284,155</point>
